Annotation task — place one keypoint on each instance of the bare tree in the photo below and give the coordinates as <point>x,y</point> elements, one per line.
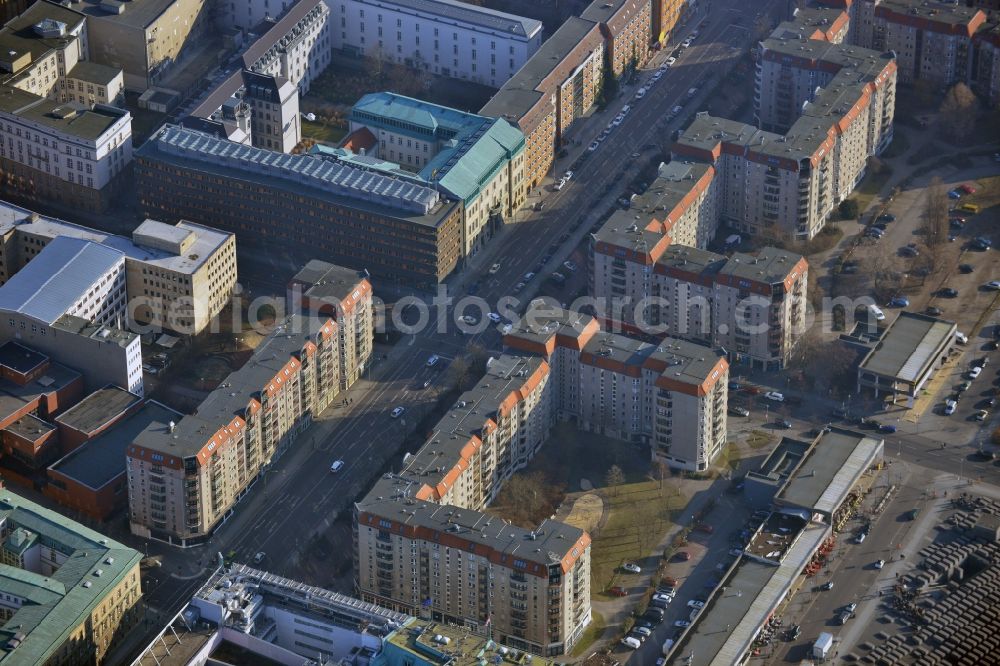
<point>958,112</point>
<point>375,66</point>
<point>936,214</point>
<point>660,472</point>
<point>615,477</point>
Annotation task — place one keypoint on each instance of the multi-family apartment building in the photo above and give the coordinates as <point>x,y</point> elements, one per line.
<point>626,26</point>
<point>185,478</point>
<point>666,15</point>
<point>793,71</point>
<point>394,225</point>
<point>470,158</point>
<point>752,306</point>
<point>345,295</point>
<point>552,90</point>
<point>671,395</point>
<point>419,530</point>
<point>70,594</point>
<point>177,277</point>
<point>145,38</point>
<point>445,37</point>
<point>986,73</point>
<point>932,40</point>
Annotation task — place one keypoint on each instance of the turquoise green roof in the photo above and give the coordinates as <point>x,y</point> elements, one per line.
<point>472,148</point>
<point>56,604</point>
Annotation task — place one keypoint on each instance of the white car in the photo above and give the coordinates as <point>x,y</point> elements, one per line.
<point>494,269</point>
<point>632,567</point>
<point>570,266</point>
<point>694,603</point>
<point>992,286</point>
<point>469,319</point>
<point>677,109</point>
<point>687,42</point>
<point>658,75</point>
<point>670,61</point>
<point>774,396</point>
<point>640,93</point>
<point>975,372</point>
<point>618,120</point>
<point>432,361</point>
<point>593,146</point>
<point>879,564</point>
<point>950,406</point>
<point>666,598</point>
<point>559,185</point>
<point>625,110</point>
<point>397,412</point>
<point>337,466</point>
<point>851,607</point>
<point>259,557</point>
<point>568,176</point>
<point>982,414</point>
<point>682,623</point>
<point>645,632</point>
<point>494,317</point>
<point>528,277</point>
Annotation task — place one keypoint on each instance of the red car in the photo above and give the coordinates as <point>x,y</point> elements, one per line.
<point>683,556</point>
<point>704,527</point>
<point>618,591</point>
<point>966,188</point>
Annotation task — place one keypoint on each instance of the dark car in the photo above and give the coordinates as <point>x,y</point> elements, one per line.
<point>784,424</point>
<point>735,386</point>
<point>947,292</point>
<point>933,311</point>
<point>886,217</point>
<point>887,427</point>
<point>966,268</point>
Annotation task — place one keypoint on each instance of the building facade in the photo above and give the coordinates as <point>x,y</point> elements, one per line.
<point>391,225</point>
<point>752,306</point>
<point>145,38</point>
<point>184,479</point>
<point>626,26</point>
<point>445,37</point>
<point>553,89</point>
<point>470,158</point>
<point>296,47</point>
<point>70,594</point>
<point>177,277</point>
<point>69,276</point>
<point>418,530</point>
<point>346,296</point>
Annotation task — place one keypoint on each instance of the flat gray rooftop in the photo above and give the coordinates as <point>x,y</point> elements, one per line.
<point>19,358</point>
<point>98,409</point>
<point>770,265</point>
<point>909,347</point>
<point>520,93</point>
<point>829,470</point>
<point>733,618</point>
<point>102,459</point>
<point>137,14</point>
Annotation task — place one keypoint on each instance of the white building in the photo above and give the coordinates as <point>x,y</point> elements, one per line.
<point>69,276</point>
<point>296,46</point>
<point>445,37</point>
<point>177,277</point>
<point>61,152</point>
<point>65,303</point>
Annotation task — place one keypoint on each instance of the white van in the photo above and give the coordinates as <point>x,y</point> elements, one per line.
<point>876,312</point>
<point>632,643</point>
